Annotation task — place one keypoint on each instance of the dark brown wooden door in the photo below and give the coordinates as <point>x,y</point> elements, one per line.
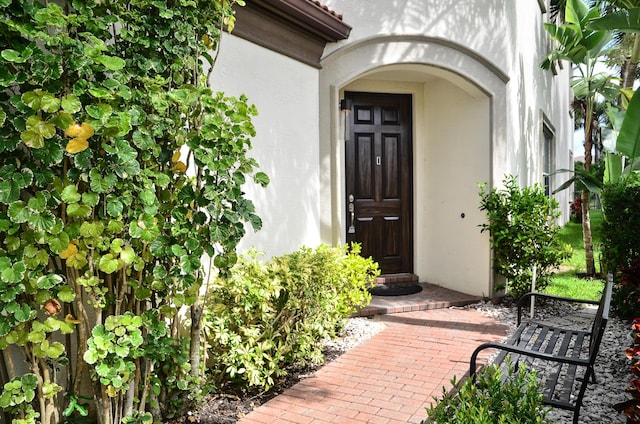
<point>379,179</point>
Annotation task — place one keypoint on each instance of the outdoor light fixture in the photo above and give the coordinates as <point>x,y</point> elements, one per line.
<point>345,110</point>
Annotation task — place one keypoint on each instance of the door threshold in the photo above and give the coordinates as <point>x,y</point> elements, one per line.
<point>404,278</point>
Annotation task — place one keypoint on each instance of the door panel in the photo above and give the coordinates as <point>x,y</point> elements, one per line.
<point>379,177</point>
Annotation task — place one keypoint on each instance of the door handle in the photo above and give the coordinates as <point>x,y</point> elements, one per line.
<point>352,211</point>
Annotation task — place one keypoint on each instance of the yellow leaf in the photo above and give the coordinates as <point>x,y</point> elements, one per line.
<point>71,319</point>
<point>70,251</point>
<point>73,130</point>
<point>77,145</point>
<point>179,167</point>
<point>84,130</point>
<point>175,157</point>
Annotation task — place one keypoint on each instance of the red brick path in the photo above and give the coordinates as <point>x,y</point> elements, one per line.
<point>391,378</point>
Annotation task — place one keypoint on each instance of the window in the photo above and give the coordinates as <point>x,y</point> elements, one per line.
<point>543,5</point>
<point>547,156</point>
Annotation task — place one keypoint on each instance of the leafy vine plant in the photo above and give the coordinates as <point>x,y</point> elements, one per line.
<point>104,106</point>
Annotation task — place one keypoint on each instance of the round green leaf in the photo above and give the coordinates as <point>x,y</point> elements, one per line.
<point>36,336</point>
<point>58,243</point>
<point>114,206</point>
<point>29,381</point>
<point>9,192</point>
<point>99,111</point>
<point>78,210</point>
<point>43,128</point>
<point>110,62</point>
<point>62,119</point>
<point>51,324</point>
<point>5,327</point>
<point>24,314</point>
<point>90,199</point>
<point>38,203</point>
<point>71,103</point>
<point>18,211</point>
<point>48,281</point>
<point>70,194</point>
<point>11,55</point>
<point>49,103</point>
<point>43,221</point>
<point>32,139</point>
<point>55,350</point>
<point>66,294</point>
<point>108,264</point>
<point>24,178</point>
<point>90,357</point>
<point>32,99</point>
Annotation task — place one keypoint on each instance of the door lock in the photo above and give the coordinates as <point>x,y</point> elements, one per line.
<point>352,208</point>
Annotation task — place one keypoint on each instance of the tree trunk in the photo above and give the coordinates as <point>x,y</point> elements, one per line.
<point>590,266</point>
<point>586,235</point>
<point>196,326</point>
<point>628,74</point>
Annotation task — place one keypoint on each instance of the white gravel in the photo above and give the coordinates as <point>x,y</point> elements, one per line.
<point>613,371</point>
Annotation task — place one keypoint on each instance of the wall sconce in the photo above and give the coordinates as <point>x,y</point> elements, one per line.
<point>345,110</point>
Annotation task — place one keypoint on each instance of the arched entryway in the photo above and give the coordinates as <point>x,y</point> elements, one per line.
<point>456,138</point>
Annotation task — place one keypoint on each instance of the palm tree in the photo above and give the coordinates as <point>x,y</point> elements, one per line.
<point>584,48</point>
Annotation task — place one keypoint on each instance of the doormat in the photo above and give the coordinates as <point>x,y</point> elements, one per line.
<point>399,290</point>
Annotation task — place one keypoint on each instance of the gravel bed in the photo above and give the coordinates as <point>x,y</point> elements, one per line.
<point>613,371</point>
<point>356,331</point>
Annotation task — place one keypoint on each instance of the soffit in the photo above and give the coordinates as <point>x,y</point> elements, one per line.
<point>297,28</point>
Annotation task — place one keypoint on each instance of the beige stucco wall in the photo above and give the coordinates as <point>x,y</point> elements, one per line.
<point>480,98</point>
<point>286,144</point>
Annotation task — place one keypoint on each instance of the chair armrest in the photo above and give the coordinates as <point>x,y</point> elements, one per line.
<point>525,352</point>
<point>524,301</point>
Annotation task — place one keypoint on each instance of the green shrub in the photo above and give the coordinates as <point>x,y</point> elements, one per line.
<point>621,245</point>
<point>620,229</point>
<point>492,399</point>
<point>266,316</point>
<point>119,169</point>
<point>523,229</point>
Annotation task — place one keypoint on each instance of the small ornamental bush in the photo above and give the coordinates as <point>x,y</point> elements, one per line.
<point>631,407</point>
<point>266,316</point>
<point>626,293</point>
<point>492,398</point>
<point>523,228</point>
<point>621,245</point>
<point>621,226</point>
<point>576,210</point>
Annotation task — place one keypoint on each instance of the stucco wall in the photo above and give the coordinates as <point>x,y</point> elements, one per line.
<point>480,25</point>
<point>286,145</point>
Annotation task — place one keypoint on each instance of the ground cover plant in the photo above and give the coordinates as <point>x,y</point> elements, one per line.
<point>104,106</point>
<point>495,396</point>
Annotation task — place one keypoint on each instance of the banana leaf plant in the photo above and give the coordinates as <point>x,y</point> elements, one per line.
<point>584,47</point>
<point>626,156</point>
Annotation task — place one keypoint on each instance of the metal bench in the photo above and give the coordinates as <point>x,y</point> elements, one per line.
<point>562,357</point>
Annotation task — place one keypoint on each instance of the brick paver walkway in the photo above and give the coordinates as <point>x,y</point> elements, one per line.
<point>389,379</point>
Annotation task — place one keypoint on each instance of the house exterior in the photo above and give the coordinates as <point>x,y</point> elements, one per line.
<point>437,97</point>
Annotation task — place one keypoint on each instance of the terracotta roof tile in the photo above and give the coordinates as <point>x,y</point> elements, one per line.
<point>326,9</point>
